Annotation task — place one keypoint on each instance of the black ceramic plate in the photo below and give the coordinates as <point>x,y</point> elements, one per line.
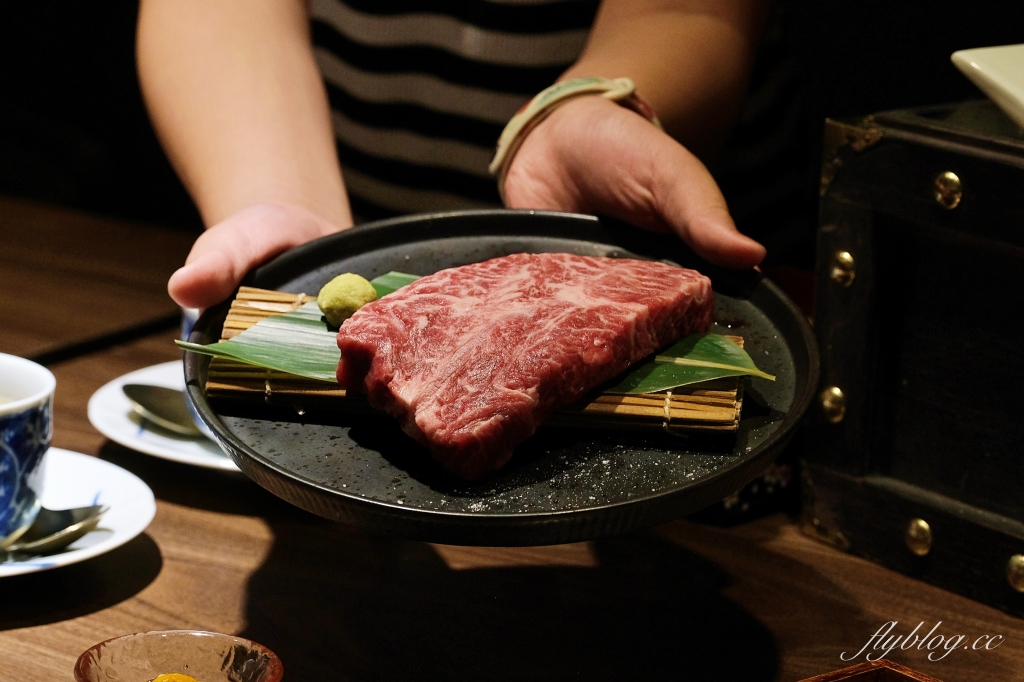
<point>562,485</point>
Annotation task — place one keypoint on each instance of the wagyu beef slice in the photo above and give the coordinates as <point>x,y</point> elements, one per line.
<point>472,359</point>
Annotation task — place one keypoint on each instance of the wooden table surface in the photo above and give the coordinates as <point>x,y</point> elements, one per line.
<point>682,601</point>
<point>69,279</point>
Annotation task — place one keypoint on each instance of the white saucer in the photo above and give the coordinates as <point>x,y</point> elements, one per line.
<point>999,73</point>
<point>112,415</point>
<point>72,479</point>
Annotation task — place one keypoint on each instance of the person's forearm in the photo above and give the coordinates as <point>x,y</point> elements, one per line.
<point>690,60</point>
<point>237,101</point>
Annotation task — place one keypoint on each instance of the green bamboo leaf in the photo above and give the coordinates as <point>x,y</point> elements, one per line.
<point>392,281</point>
<point>691,360</point>
<point>298,342</point>
<point>301,343</point>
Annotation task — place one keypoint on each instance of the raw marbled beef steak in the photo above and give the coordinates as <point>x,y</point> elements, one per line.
<point>472,359</point>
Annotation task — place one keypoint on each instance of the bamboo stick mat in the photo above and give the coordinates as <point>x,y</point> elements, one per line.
<point>709,406</point>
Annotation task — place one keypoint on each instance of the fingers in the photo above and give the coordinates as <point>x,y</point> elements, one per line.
<point>594,156</point>
<point>204,282</point>
<point>223,255</point>
<point>715,238</point>
<point>688,199</point>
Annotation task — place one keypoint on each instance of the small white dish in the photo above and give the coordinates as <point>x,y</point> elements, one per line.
<point>72,479</point>
<point>999,73</point>
<point>111,413</point>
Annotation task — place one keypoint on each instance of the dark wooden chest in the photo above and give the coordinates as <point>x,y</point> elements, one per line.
<point>916,447</point>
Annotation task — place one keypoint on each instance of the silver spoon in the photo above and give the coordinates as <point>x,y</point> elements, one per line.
<point>54,529</point>
<point>165,407</point>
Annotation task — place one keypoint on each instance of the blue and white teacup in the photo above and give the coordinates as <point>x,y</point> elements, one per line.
<point>26,427</point>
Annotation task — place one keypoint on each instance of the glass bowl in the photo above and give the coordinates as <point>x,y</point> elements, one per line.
<point>205,656</point>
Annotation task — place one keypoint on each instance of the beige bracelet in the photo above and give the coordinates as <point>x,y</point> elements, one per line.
<point>620,90</point>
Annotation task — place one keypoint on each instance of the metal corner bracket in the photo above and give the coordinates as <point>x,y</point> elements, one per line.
<point>839,134</point>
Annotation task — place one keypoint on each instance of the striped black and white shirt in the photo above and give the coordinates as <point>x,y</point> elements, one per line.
<point>421,89</point>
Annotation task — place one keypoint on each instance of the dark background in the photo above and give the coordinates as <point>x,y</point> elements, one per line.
<point>74,132</point>
<point>73,128</point>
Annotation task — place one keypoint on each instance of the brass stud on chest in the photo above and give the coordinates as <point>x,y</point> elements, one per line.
<point>843,270</point>
<point>948,190</point>
<point>1015,572</point>
<point>833,404</point>
<point>918,537</point>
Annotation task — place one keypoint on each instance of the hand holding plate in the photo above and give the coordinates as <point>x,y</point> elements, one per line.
<point>593,156</point>
<point>223,254</point>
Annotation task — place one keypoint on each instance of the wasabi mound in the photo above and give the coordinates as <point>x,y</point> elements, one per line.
<point>340,298</point>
